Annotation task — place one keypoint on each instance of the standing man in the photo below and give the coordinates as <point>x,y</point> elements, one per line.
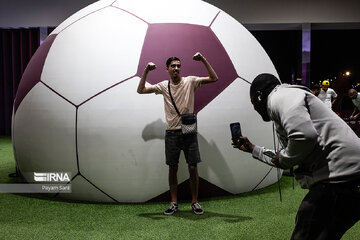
<point>327,95</point>
<point>321,145</point>
<point>355,98</point>
<point>183,92</point>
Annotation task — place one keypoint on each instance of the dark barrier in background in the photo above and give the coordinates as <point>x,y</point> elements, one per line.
<point>16,48</point>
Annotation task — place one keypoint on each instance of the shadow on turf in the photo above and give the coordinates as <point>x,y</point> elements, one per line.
<point>191,216</point>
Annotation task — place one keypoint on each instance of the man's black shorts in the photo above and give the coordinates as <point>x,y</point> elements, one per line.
<point>175,141</point>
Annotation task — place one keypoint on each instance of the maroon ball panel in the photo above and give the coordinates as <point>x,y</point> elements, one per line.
<point>164,40</point>
<point>33,71</point>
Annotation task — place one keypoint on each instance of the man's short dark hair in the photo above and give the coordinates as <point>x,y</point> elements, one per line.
<point>170,60</point>
<point>352,90</point>
<point>316,87</point>
<point>264,83</point>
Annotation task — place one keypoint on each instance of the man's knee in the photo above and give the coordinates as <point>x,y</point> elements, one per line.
<point>173,168</point>
<point>192,168</point>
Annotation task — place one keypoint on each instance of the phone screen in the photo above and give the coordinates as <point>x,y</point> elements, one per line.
<point>235,131</point>
<point>270,154</point>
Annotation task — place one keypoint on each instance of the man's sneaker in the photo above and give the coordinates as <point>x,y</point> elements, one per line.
<point>197,209</point>
<point>173,207</point>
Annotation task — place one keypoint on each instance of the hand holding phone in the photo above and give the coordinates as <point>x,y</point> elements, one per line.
<point>235,132</point>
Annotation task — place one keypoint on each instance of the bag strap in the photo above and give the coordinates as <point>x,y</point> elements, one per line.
<point>172,100</point>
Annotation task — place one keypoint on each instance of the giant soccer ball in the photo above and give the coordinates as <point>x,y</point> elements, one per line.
<point>77,109</point>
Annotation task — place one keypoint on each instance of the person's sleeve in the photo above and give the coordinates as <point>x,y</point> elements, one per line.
<point>258,153</point>
<point>196,81</point>
<point>333,94</point>
<point>294,117</point>
<point>157,88</point>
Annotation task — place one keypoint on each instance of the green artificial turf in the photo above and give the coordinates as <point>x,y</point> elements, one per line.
<point>256,215</point>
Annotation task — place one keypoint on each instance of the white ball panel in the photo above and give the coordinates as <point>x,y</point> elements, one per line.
<point>12,132</point>
<point>92,55</point>
<point>186,11</point>
<point>246,53</point>
<point>84,191</point>
<point>44,133</point>
<point>272,177</point>
<point>115,149</point>
<point>224,166</point>
<point>82,13</point>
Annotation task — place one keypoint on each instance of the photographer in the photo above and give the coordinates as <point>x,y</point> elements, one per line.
<point>324,150</point>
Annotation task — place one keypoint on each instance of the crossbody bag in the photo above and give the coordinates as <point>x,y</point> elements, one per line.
<point>188,120</point>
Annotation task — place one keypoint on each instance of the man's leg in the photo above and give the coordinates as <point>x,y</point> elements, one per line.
<point>173,207</point>
<point>172,153</point>
<point>313,214</point>
<point>326,212</point>
<point>346,211</point>
<point>173,183</point>
<point>194,182</point>
<point>192,155</point>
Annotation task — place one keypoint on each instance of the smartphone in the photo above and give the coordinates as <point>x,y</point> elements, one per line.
<point>270,154</point>
<point>235,132</point>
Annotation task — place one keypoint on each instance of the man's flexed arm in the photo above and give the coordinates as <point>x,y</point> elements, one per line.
<point>141,88</point>
<point>212,74</point>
